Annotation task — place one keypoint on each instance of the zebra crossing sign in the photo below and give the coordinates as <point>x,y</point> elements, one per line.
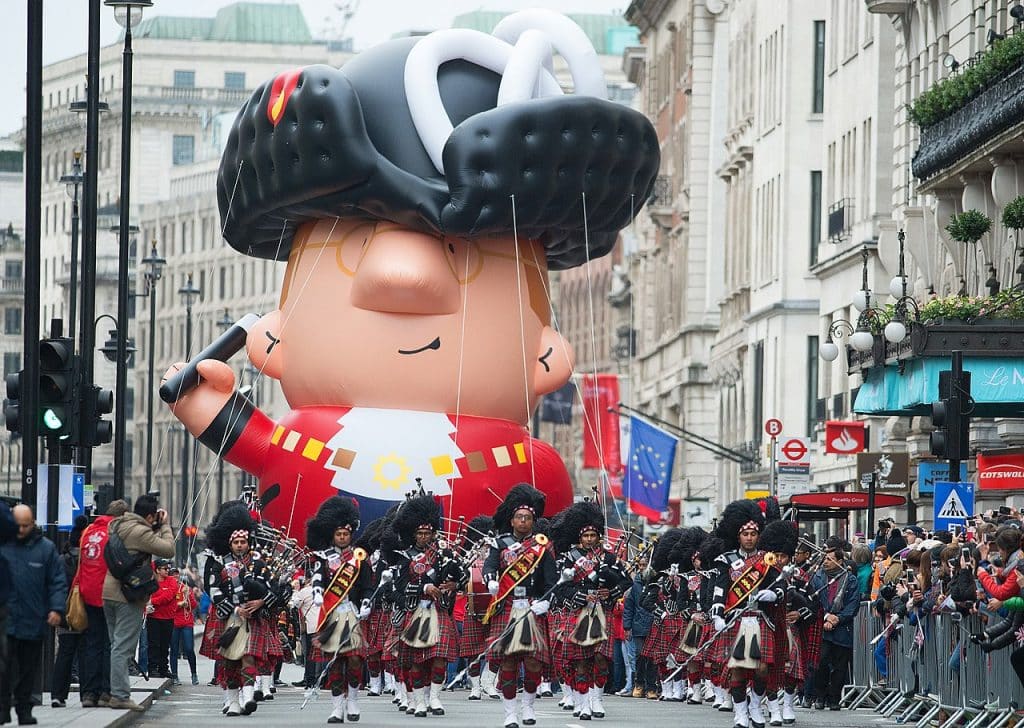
<point>954,504</point>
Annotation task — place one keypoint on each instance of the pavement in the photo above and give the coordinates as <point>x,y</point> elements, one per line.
<point>188,705</point>
<point>75,716</point>
<point>195,706</point>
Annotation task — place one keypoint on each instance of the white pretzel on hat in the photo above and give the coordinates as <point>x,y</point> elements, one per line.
<point>423,93</point>
<point>567,38</point>
<point>525,67</point>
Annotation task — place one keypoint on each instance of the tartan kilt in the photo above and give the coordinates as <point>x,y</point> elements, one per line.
<point>264,642</point>
<point>318,655</point>
<point>664,638</point>
<point>447,646</point>
<point>375,629</point>
<point>721,651</point>
<point>390,641</point>
<point>795,670</point>
<point>703,635</point>
<point>810,640</point>
<point>501,619</point>
<point>474,637</point>
<point>572,652</point>
<point>212,631</point>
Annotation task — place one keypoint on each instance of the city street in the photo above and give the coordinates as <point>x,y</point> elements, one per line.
<point>200,705</point>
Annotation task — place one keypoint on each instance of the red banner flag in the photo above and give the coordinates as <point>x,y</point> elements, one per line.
<point>600,427</point>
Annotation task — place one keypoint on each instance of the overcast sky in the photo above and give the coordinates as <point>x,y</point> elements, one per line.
<point>65,29</point>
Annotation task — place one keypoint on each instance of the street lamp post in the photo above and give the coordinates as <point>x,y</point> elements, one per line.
<point>127,13</point>
<point>154,272</point>
<point>189,294</point>
<point>71,183</point>
<point>224,323</point>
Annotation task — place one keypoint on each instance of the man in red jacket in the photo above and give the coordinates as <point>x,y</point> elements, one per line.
<point>160,618</point>
<point>94,667</point>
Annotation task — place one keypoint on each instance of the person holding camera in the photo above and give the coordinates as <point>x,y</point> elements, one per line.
<point>143,534</point>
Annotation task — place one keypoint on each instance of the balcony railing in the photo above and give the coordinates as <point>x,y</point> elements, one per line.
<point>840,220</point>
<point>995,110</point>
<point>12,286</point>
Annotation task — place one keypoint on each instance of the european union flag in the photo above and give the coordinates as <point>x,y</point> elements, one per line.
<point>649,469</point>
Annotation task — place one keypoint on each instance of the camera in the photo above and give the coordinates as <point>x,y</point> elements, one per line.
<point>1004,510</point>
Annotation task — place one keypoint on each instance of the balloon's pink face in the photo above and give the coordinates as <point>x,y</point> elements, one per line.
<point>376,315</point>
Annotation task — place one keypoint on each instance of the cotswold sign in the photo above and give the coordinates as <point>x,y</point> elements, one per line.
<point>1001,472</point>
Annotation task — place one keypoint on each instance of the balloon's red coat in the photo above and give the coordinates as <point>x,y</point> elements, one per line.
<point>498,454</point>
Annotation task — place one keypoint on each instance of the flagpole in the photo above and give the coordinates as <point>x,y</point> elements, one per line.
<point>691,437</point>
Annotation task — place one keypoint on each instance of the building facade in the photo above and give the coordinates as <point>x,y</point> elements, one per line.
<point>673,263</point>
<point>190,76</point>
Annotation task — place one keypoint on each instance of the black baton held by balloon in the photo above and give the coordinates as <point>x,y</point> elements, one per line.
<point>223,348</point>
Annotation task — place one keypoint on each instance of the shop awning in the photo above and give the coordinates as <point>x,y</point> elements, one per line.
<point>997,386</point>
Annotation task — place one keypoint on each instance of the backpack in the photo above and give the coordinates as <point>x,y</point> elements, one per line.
<point>135,573</point>
<point>120,561</point>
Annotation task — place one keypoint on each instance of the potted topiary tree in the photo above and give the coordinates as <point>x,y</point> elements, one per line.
<point>1013,218</point>
<point>967,228</point>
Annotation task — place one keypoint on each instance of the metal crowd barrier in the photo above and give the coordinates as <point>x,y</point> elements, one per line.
<point>931,674</point>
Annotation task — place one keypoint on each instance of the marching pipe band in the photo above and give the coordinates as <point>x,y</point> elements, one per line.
<point>736,622</point>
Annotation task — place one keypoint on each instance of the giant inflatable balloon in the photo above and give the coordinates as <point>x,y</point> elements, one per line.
<point>420,195</point>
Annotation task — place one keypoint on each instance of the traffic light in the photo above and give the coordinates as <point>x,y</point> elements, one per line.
<point>95,430</point>
<point>12,405</point>
<point>58,389</point>
<point>951,417</point>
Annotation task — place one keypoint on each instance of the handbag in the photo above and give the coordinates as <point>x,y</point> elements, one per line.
<point>75,615</point>
<point>74,612</point>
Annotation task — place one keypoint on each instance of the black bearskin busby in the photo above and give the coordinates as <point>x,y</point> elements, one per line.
<point>689,541</point>
<point>415,512</point>
<point>569,524</point>
<point>522,495</point>
<point>542,525</point>
<point>736,515</point>
<point>318,141</point>
<point>663,549</point>
<point>770,508</point>
<point>779,537</point>
<point>333,513</point>
<point>369,539</point>
<point>711,548</point>
<point>233,516</point>
<point>478,528</point>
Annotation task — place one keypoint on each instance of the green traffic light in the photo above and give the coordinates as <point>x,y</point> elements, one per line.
<point>51,420</point>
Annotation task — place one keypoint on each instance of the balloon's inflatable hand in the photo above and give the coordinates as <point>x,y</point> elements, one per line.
<point>199,407</point>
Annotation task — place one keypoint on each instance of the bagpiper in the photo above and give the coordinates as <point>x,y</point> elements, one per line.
<point>426,578</point>
<point>685,555</point>
<point>342,582</point>
<point>378,624</point>
<point>243,597</point>
<point>599,579</point>
<point>778,542</point>
<point>660,597</point>
<point>520,573</point>
<point>746,641</point>
<point>476,599</point>
<point>695,647</point>
<point>214,627</point>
